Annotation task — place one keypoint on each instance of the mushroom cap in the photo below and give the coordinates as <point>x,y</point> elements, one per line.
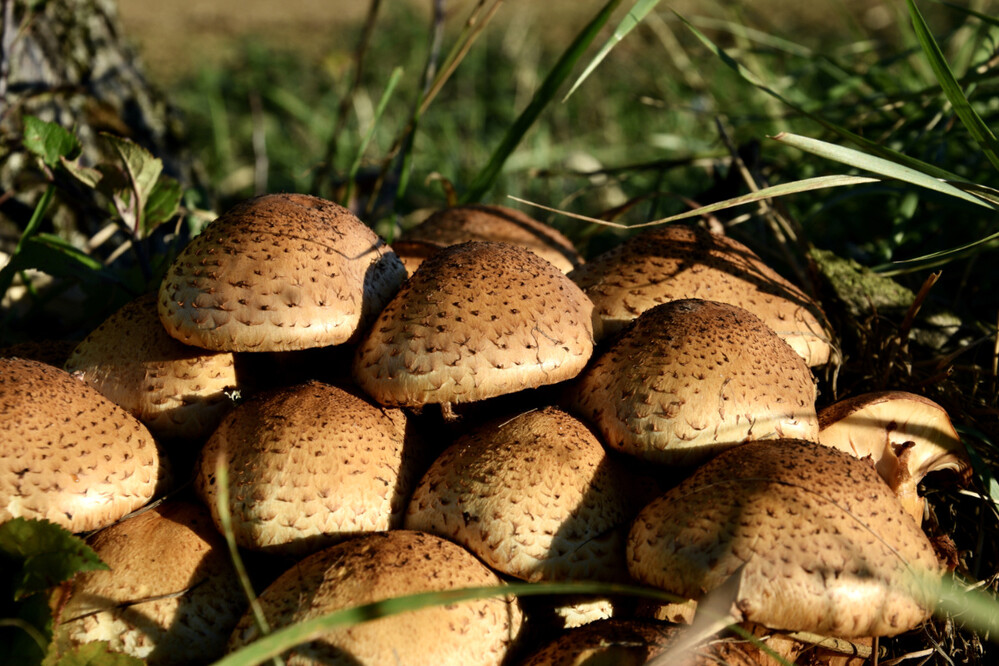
<point>679,261</point>
<point>413,253</point>
<point>820,542</point>
<point>459,224</point>
<point>535,496</point>
<point>691,378</point>
<point>310,465</point>
<point>382,566</point>
<point>68,454</point>
<point>52,352</point>
<point>176,390</point>
<point>277,273</point>
<point>170,549</point>
<point>476,320</point>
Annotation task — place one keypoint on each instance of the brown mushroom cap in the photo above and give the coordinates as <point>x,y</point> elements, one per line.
<point>477,320</point>
<point>459,224</point>
<point>67,453</point>
<point>383,566</point>
<point>177,390</point>
<point>173,552</point>
<point>413,253</point>
<point>678,261</point>
<point>905,434</point>
<point>309,466</point>
<point>819,541</point>
<point>690,378</point>
<point>277,273</point>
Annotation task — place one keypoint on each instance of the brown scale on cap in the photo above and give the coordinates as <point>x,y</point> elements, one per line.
<point>173,551</point>
<point>818,539</point>
<point>459,224</point>
<point>177,390</point>
<point>383,566</point>
<point>690,378</point>
<point>679,261</point>
<point>309,466</point>
<point>278,273</point>
<point>67,453</point>
<point>477,320</point>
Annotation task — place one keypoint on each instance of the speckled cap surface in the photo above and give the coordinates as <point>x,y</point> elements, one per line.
<point>691,378</point>
<point>310,465</point>
<point>277,273</point>
<point>67,453</point>
<point>476,320</point>
<point>678,261</point>
<point>167,550</point>
<point>383,566</point>
<point>819,540</point>
<point>177,390</point>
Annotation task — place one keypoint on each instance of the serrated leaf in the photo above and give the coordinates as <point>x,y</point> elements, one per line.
<point>87,175</point>
<point>48,554</point>
<point>49,141</point>
<point>92,654</point>
<point>142,168</point>
<point>163,202</point>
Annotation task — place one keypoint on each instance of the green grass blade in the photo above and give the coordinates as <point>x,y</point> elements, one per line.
<point>379,110</point>
<point>485,179</point>
<point>972,121</point>
<point>783,189</point>
<point>991,20</point>
<point>635,15</point>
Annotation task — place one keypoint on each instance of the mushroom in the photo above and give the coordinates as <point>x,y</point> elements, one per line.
<point>679,261</point>
<point>906,435</point>
<point>310,465</point>
<point>68,454</point>
<point>170,596</point>
<point>476,320</point>
<point>691,378</point>
<point>383,566</point>
<point>279,272</point>
<point>176,390</point>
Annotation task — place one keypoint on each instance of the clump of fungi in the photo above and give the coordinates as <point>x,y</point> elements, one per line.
<point>684,453</point>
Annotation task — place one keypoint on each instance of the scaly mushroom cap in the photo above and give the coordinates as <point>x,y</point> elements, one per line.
<point>177,390</point>
<point>459,224</point>
<point>383,566</point>
<point>170,550</point>
<point>819,541</point>
<point>536,497</point>
<point>477,320</point>
<point>68,454</point>
<point>413,253</point>
<point>691,378</point>
<point>905,434</point>
<point>308,466</point>
<point>278,273</point>
<point>678,261</point>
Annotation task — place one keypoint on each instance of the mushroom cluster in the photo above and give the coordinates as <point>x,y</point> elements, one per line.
<point>648,418</point>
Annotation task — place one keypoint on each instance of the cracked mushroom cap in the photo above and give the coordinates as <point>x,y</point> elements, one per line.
<point>68,454</point>
<point>678,261</point>
<point>459,224</point>
<point>172,552</point>
<point>905,434</point>
<point>475,321</point>
<point>820,542</point>
<point>278,273</point>
<point>176,390</point>
<point>383,566</point>
<point>691,378</point>
<point>310,465</point>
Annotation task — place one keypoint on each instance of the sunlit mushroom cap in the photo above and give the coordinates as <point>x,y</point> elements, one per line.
<point>819,541</point>
<point>172,556</point>
<point>690,378</point>
<point>277,273</point>
<point>383,566</point>
<point>177,390</point>
<point>678,261</point>
<point>68,454</point>
<point>476,320</point>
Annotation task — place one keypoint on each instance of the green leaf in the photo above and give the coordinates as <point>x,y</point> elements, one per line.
<point>163,202</point>
<point>26,630</point>
<point>48,554</point>
<point>87,175</point>
<point>634,16</point>
<point>49,141</point>
<point>142,171</point>
<point>92,654</point>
